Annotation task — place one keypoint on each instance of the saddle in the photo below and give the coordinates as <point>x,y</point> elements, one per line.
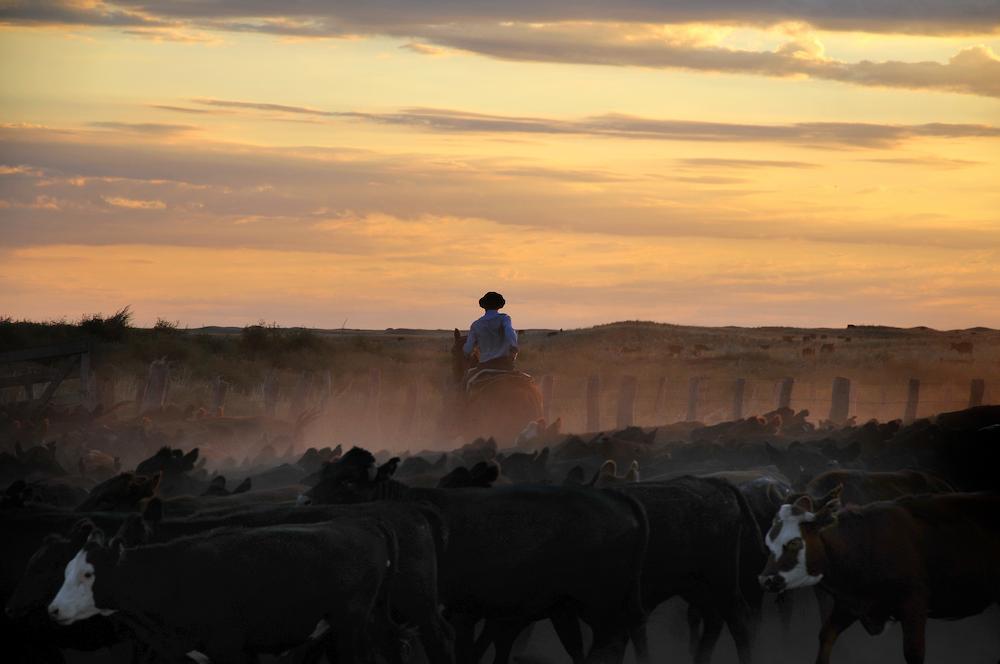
<point>476,379</point>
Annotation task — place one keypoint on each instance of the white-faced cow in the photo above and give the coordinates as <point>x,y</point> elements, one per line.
<point>914,558</point>
<point>235,592</point>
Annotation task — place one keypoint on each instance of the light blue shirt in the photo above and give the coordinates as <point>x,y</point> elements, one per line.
<point>494,335</point>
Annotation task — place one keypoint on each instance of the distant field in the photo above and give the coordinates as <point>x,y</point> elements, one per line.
<point>334,368</point>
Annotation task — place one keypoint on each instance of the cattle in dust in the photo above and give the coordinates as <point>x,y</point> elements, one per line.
<point>483,532</point>
<point>808,352</point>
<point>914,558</point>
<point>511,529</point>
<point>827,349</point>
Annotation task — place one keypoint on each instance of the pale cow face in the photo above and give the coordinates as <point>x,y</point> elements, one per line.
<point>787,565</point>
<point>75,599</point>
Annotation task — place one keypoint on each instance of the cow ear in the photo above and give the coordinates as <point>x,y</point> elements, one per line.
<point>803,504</point>
<point>834,495</point>
<point>96,536</point>
<point>80,532</point>
<point>387,469</point>
<point>190,458</point>
<point>827,516</point>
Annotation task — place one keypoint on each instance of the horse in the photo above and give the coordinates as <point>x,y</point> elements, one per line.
<point>500,407</point>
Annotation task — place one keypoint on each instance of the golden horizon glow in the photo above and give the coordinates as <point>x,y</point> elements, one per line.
<point>592,170</point>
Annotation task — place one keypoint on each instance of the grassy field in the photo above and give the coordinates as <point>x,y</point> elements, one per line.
<point>309,365</point>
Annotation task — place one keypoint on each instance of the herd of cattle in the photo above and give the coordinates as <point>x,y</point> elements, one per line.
<point>362,556</point>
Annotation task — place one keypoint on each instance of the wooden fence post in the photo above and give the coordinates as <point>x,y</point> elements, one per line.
<point>271,391</point>
<point>739,389</point>
<point>219,390</point>
<point>626,402</point>
<point>977,390</point>
<point>660,405</point>
<point>912,401</point>
<point>694,386</point>
<point>594,403</point>
<point>840,404</point>
<point>547,382</point>
<point>154,396</point>
<point>785,392</point>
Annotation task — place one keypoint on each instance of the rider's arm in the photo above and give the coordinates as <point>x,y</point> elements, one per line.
<point>510,333</point>
<point>470,342</point>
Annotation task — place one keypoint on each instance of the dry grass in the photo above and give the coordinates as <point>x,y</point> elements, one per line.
<point>879,361</point>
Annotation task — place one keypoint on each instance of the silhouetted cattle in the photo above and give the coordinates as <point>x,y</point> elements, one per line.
<point>508,551</point>
<point>214,595</point>
<point>962,347</point>
<point>799,463</point>
<point>808,352</point>
<point>826,349</point>
<point>413,596</point>
<point>911,559</point>
<point>859,487</point>
<point>607,474</point>
<point>520,467</point>
<point>482,476</point>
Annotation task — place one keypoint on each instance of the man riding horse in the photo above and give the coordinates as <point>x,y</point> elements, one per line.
<point>493,335</point>
<point>494,399</point>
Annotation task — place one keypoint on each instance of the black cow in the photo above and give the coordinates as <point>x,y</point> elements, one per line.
<point>413,597</point>
<point>705,546</point>
<point>700,530</point>
<point>521,553</point>
<point>235,592</point>
<point>914,558</point>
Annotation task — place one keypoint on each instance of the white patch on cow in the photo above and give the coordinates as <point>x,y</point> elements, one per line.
<point>199,657</point>
<point>322,627</point>
<point>791,529</point>
<point>303,499</point>
<point>75,599</point>
<point>799,576</point>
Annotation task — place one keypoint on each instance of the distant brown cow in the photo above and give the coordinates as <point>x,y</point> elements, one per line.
<point>698,348</point>
<point>788,339</point>
<point>907,559</point>
<point>808,337</point>
<point>808,352</point>
<point>962,347</point>
<point>675,349</point>
<point>826,349</point>
<point>765,346</point>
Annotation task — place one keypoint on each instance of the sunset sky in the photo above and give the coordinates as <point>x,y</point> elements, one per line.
<point>383,163</point>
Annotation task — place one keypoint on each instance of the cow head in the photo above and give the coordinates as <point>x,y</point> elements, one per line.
<point>353,479</point>
<point>44,574</point>
<point>796,557</point>
<point>89,576</point>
